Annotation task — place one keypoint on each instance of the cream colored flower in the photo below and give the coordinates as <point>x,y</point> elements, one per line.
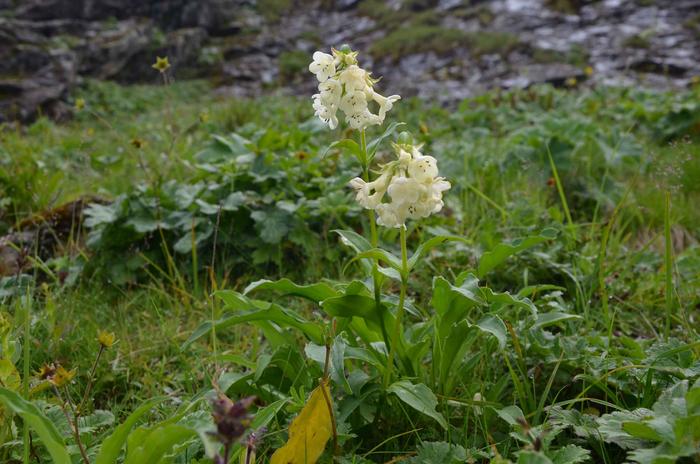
<point>323,66</point>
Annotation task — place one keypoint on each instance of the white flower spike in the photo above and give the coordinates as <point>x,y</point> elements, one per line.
<point>347,87</point>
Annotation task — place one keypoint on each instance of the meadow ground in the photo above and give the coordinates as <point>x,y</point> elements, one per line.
<point>558,323</point>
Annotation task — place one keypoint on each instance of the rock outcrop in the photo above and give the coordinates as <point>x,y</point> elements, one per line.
<point>443,50</point>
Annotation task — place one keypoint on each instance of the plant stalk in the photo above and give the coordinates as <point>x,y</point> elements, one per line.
<point>374,236</point>
<point>668,255</point>
<point>401,309</point>
<point>73,423</point>
<point>90,380</point>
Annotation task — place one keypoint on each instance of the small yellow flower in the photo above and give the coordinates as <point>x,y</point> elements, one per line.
<point>571,82</point>
<point>161,64</point>
<point>79,104</point>
<point>203,117</point>
<point>62,376</point>
<point>46,371</point>
<point>106,339</point>
<point>588,70</point>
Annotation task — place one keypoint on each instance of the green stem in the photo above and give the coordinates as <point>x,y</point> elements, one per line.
<point>90,381</point>
<point>374,236</point>
<point>668,264</point>
<point>398,326</point>
<point>26,354</point>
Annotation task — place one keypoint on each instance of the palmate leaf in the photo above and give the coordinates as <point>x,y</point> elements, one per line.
<point>570,454</point>
<point>439,453</point>
<point>39,423</point>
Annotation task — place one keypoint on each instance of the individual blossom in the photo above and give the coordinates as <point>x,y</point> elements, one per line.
<point>106,339</point>
<point>369,194</point>
<point>62,376</point>
<point>161,64</point>
<point>345,86</point>
<point>323,66</point>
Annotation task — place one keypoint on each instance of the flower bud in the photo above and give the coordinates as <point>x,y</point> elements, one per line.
<point>405,138</point>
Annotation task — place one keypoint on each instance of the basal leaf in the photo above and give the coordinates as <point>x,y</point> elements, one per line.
<point>315,292</point>
<point>419,397</point>
<point>113,444</point>
<point>39,423</point>
<point>490,259</point>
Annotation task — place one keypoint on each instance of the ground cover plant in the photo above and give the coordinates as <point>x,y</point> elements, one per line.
<point>276,281</point>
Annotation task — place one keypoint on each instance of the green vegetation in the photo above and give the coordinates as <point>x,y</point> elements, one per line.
<point>417,39</point>
<point>293,64</point>
<point>547,319</point>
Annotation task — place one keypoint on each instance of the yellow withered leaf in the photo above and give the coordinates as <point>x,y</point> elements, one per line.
<point>309,431</point>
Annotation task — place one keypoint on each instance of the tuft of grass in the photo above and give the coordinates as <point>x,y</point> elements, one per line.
<point>293,63</point>
<point>409,40</point>
<point>273,10</point>
<point>491,42</point>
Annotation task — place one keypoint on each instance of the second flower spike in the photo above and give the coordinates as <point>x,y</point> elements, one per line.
<point>413,186</point>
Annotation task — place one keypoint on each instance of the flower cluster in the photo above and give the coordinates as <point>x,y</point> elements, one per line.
<point>344,86</point>
<point>413,185</point>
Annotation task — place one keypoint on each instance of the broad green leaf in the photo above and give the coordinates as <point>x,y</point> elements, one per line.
<point>494,325</point>
<point>419,397</point>
<point>112,445</point>
<point>156,442</point>
<point>428,245</point>
<point>264,313</point>
<point>453,303</point>
<point>490,259</point>
<point>692,399</point>
<point>362,307</point>
<point>532,457</point>
<point>511,414</point>
<point>610,427</point>
<point>348,145</point>
<point>38,422</point>
<point>546,319</point>
<point>315,292</point>
<point>455,345</point>
<point>496,300</point>
<point>641,430</point>
<point>354,240</point>
<point>380,255</point>
<point>337,360</point>
<point>264,415</point>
